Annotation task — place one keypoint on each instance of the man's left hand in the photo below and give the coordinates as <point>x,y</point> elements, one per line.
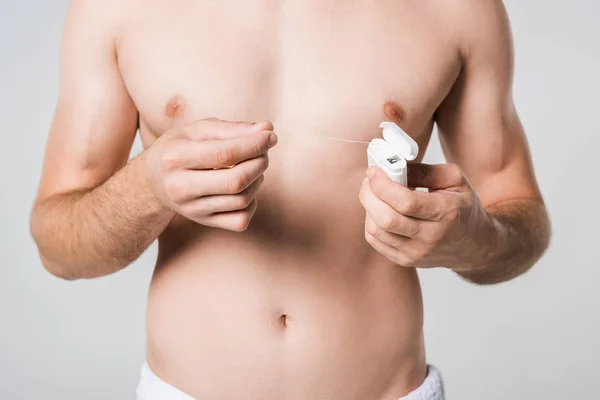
<point>440,228</point>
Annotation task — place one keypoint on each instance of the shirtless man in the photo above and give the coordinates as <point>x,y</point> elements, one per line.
<point>296,281</point>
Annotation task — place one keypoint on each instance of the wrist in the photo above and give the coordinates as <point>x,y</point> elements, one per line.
<point>513,237</point>
<point>141,175</point>
<point>482,243</point>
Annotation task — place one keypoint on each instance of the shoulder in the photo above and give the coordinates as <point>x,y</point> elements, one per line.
<point>476,25</point>
<point>99,17</point>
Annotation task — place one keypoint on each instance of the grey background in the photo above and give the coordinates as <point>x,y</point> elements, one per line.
<point>537,337</point>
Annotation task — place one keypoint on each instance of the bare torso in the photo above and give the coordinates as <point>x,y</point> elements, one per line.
<point>299,306</point>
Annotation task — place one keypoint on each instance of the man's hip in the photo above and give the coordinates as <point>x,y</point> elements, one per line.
<point>151,387</point>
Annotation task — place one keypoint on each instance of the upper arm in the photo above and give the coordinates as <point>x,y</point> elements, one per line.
<point>478,125</point>
<point>95,119</point>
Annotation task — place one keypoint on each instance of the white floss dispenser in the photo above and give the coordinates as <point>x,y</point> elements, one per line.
<point>392,152</point>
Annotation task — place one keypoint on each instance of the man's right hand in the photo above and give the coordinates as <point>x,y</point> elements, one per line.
<point>210,171</point>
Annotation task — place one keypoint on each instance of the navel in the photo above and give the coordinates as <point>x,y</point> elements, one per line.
<point>393,112</point>
<point>176,107</point>
<point>283,321</point>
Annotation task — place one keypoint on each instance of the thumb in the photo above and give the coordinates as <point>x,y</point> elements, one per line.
<point>216,129</point>
<point>435,177</point>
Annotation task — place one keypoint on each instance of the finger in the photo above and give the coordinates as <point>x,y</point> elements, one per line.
<point>436,177</point>
<point>211,154</point>
<point>189,185</point>
<point>237,221</point>
<point>386,250</point>
<point>223,203</point>
<point>410,203</point>
<point>216,129</point>
<point>385,217</point>
<point>392,239</point>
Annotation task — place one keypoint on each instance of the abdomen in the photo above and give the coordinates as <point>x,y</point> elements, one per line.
<point>299,306</point>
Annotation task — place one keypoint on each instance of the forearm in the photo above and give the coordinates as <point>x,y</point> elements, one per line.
<point>95,232</point>
<point>516,236</point>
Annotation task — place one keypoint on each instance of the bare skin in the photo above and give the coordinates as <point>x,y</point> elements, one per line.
<point>289,275</point>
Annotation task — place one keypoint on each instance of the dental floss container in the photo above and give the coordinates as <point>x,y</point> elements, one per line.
<point>392,152</point>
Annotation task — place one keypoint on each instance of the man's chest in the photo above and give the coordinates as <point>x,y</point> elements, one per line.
<point>310,64</point>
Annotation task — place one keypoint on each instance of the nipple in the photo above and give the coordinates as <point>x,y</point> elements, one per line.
<point>393,112</point>
<point>176,107</point>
